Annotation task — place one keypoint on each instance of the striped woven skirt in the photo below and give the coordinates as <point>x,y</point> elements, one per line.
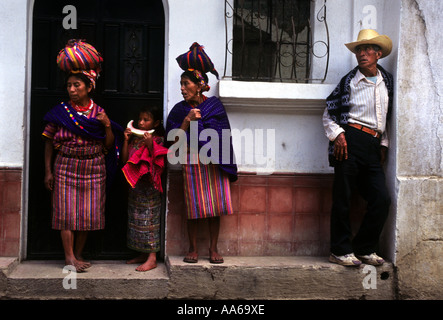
<point>144,210</point>
<point>78,198</point>
<point>207,191</point>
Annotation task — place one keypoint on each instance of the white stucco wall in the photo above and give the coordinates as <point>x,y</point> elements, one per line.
<point>300,144</point>
<point>189,22</point>
<point>13,68</point>
<point>344,17</point>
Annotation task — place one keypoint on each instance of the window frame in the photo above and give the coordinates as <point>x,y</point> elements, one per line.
<point>318,48</point>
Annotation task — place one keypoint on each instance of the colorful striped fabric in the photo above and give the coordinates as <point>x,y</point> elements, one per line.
<point>79,190</point>
<point>196,58</point>
<point>207,191</point>
<point>79,55</point>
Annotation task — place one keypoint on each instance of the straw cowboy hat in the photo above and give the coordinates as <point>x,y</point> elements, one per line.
<point>369,36</point>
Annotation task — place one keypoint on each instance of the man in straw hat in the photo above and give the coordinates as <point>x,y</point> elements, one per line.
<point>355,123</point>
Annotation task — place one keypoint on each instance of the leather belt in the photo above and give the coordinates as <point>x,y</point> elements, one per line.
<point>373,133</point>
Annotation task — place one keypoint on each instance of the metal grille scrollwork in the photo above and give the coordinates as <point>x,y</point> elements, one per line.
<point>275,40</point>
<point>133,60</point>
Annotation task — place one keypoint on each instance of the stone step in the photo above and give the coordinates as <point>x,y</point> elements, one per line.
<point>249,278</point>
<point>103,280</point>
<point>278,278</point>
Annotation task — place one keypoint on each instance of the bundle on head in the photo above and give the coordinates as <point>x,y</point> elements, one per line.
<point>196,58</point>
<point>79,55</point>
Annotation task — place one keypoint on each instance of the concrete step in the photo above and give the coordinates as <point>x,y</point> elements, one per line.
<point>250,278</point>
<point>279,278</point>
<point>103,280</point>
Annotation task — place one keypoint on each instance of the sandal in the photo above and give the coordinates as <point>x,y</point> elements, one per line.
<point>191,258</point>
<point>216,258</point>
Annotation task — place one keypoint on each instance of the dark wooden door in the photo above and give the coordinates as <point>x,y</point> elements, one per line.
<point>130,36</point>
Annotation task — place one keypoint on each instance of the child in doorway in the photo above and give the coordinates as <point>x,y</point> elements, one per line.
<point>144,157</point>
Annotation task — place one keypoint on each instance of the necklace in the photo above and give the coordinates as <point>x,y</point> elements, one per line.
<point>83,110</point>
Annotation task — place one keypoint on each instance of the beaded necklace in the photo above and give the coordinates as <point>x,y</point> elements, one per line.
<point>83,110</point>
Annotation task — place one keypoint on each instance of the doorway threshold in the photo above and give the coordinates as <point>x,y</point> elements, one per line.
<point>238,278</point>
<point>51,280</point>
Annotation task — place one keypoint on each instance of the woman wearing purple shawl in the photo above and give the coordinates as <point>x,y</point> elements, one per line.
<point>77,136</point>
<point>206,185</point>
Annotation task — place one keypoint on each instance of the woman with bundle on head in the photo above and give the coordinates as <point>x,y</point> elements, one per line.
<point>206,185</point>
<point>81,150</point>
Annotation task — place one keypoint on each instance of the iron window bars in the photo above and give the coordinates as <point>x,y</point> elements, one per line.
<point>274,40</point>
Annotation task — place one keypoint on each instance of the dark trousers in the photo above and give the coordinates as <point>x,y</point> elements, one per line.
<point>363,172</point>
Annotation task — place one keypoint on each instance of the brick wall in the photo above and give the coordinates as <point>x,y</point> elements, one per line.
<point>10,209</point>
<point>275,215</point>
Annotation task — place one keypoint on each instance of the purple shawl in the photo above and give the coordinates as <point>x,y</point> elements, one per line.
<point>88,128</point>
<point>213,116</point>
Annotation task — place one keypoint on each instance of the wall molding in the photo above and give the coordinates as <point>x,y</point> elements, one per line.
<point>271,97</point>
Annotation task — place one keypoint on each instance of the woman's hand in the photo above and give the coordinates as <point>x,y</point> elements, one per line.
<point>127,134</point>
<point>49,181</point>
<point>49,177</point>
<point>103,118</point>
<point>194,115</point>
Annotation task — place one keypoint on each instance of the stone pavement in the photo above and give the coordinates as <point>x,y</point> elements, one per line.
<point>245,278</point>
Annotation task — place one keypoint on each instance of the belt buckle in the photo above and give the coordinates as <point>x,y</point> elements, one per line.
<point>375,134</point>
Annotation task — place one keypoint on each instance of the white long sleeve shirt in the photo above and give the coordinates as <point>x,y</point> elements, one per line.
<point>368,107</point>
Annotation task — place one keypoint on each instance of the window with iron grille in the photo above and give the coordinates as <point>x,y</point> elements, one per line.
<point>274,40</point>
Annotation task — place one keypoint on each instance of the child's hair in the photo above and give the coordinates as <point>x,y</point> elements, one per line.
<point>157,114</point>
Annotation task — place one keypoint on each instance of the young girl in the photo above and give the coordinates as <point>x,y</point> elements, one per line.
<point>143,156</point>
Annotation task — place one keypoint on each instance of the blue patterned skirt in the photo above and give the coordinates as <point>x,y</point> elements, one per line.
<point>144,212</point>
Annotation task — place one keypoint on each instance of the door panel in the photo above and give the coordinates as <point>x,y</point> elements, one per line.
<point>129,35</point>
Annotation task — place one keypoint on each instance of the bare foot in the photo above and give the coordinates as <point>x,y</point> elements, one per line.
<point>79,266</point>
<point>150,262</point>
<point>148,265</point>
<point>139,259</point>
<point>85,263</point>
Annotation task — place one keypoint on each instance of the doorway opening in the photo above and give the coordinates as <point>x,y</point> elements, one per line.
<point>130,36</point>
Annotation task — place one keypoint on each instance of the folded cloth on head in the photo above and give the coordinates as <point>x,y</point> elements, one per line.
<point>144,162</point>
<point>79,55</point>
<point>196,58</point>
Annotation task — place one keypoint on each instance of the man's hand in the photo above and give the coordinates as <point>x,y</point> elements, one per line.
<point>340,147</point>
<point>383,154</point>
